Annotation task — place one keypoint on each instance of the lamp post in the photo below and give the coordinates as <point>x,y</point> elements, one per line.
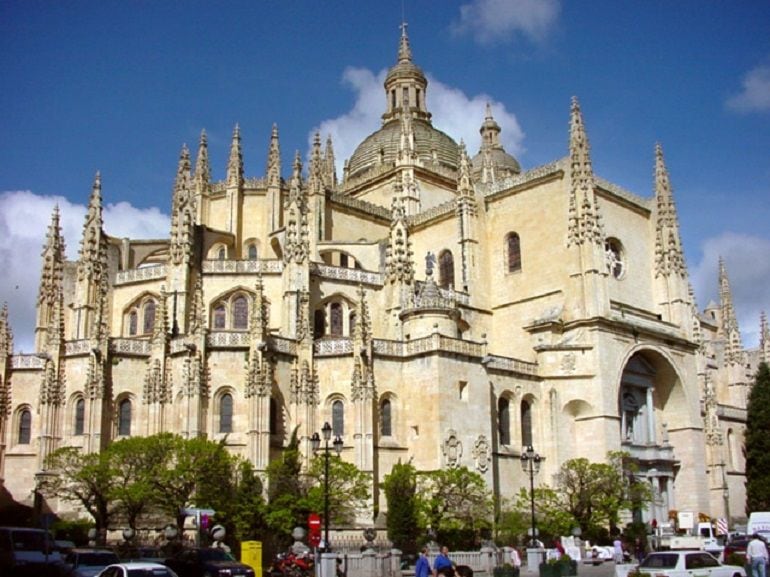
<point>530,463</point>
<point>315,443</point>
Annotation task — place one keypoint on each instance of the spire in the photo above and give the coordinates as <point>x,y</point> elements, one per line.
<point>764,339</point>
<point>92,251</point>
<point>464,186</point>
<point>274,159</point>
<point>404,50</point>
<point>297,233</point>
<point>330,171</point>
<point>730,331</point>
<point>6,338</point>
<point>183,212</point>
<point>669,258</point>
<point>235,162</point>
<point>584,218</point>
<point>315,181</point>
<point>202,167</point>
<point>53,263</point>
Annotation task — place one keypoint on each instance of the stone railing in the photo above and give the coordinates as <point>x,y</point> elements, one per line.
<point>361,205</point>
<point>525,177</point>
<point>27,362</point>
<point>79,347</point>
<point>140,274</point>
<point>332,347</point>
<point>122,346</point>
<point>432,343</point>
<point>242,266</point>
<point>509,364</point>
<point>348,274</point>
<point>283,345</point>
<point>228,339</point>
<point>434,212</point>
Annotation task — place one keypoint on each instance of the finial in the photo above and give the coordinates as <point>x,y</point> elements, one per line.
<point>489,112</point>
<point>404,50</point>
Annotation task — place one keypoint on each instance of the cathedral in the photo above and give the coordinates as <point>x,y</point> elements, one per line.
<point>431,303</point>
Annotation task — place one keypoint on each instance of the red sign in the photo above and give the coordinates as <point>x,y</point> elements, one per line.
<point>314,526</point>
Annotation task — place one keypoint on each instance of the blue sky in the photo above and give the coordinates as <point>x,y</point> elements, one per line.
<point>119,86</point>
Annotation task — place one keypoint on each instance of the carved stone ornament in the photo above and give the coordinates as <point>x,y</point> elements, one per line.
<point>482,454</point>
<point>568,363</point>
<point>452,449</point>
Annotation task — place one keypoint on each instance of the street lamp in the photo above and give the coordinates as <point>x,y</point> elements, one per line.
<point>315,443</point>
<point>530,463</point>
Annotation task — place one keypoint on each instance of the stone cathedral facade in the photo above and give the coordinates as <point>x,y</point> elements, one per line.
<point>431,303</point>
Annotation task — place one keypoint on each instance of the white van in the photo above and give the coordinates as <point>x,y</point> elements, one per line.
<point>759,522</point>
<point>23,548</point>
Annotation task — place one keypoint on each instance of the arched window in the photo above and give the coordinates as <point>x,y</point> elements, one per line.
<point>504,420</point>
<point>25,427</point>
<point>526,424</point>
<point>80,416</point>
<point>148,325</point>
<point>240,312</point>
<point>220,316</point>
<point>124,418</point>
<point>513,251</point>
<point>386,423</point>
<point>133,323</point>
<point>335,320</point>
<point>222,254</point>
<point>252,252</point>
<point>338,418</point>
<point>226,413</point>
<point>446,270</point>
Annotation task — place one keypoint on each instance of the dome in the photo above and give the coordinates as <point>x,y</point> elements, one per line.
<point>382,147</point>
<point>504,163</point>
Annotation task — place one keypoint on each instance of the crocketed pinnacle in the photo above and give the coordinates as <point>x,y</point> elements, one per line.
<point>202,167</point>
<point>730,330</point>
<point>274,159</point>
<point>235,162</point>
<point>669,257</point>
<point>53,262</point>
<point>584,218</point>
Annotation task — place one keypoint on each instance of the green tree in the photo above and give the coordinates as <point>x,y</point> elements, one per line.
<point>456,504</point>
<point>348,489</point>
<point>757,443</point>
<point>248,514</point>
<point>133,466</point>
<point>85,478</point>
<point>403,525</point>
<point>286,507</point>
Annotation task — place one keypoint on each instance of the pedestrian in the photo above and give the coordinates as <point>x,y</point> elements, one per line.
<point>443,565</point>
<point>756,556</point>
<point>617,549</point>
<point>515,557</point>
<point>639,550</point>
<point>422,567</point>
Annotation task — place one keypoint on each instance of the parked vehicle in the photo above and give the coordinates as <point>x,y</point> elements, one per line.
<point>89,562</point>
<point>735,549</point>
<point>759,523</point>
<point>689,535</point>
<point>137,569</point>
<point>687,564</point>
<point>200,562</point>
<point>291,565</point>
<point>26,551</point>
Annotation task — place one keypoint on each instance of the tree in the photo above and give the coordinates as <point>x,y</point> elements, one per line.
<point>403,525</point>
<point>757,443</point>
<point>132,464</point>
<point>85,478</point>
<point>286,507</point>
<point>248,512</point>
<point>456,504</point>
<point>348,489</point>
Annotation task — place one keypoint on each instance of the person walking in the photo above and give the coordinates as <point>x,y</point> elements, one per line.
<point>443,565</point>
<point>756,556</point>
<point>617,549</point>
<point>422,567</point>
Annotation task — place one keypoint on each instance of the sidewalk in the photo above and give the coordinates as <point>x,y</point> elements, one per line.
<point>606,569</point>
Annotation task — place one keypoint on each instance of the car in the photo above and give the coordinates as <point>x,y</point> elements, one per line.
<point>27,551</point>
<point>202,562</point>
<point>735,549</point>
<point>89,562</point>
<point>687,564</point>
<point>137,569</point>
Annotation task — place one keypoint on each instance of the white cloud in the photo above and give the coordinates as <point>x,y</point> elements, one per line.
<point>455,113</point>
<point>24,221</point>
<point>755,95</point>
<point>748,270</point>
<point>490,21</point>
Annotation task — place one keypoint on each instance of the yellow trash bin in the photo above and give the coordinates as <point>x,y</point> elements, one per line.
<point>251,555</point>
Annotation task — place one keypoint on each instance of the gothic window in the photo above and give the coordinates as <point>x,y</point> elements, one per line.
<point>124,418</point>
<point>335,319</point>
<point>80,416</point>
<point>252,252</point>
<point>148,324</point>
<point>526,424</point>
<point>446,270</point>
<point>133,322</point>
<point>344,260</point>
<point>319,323</point>
<point>386,422</point>
<point>338,418</point>
<point>504,420</point>
<point>25,427</point>
<point>220,317</point>
<point>240,313</point>
<point>226,413</point>
<point>513,251</point>
<point>614,254</point>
